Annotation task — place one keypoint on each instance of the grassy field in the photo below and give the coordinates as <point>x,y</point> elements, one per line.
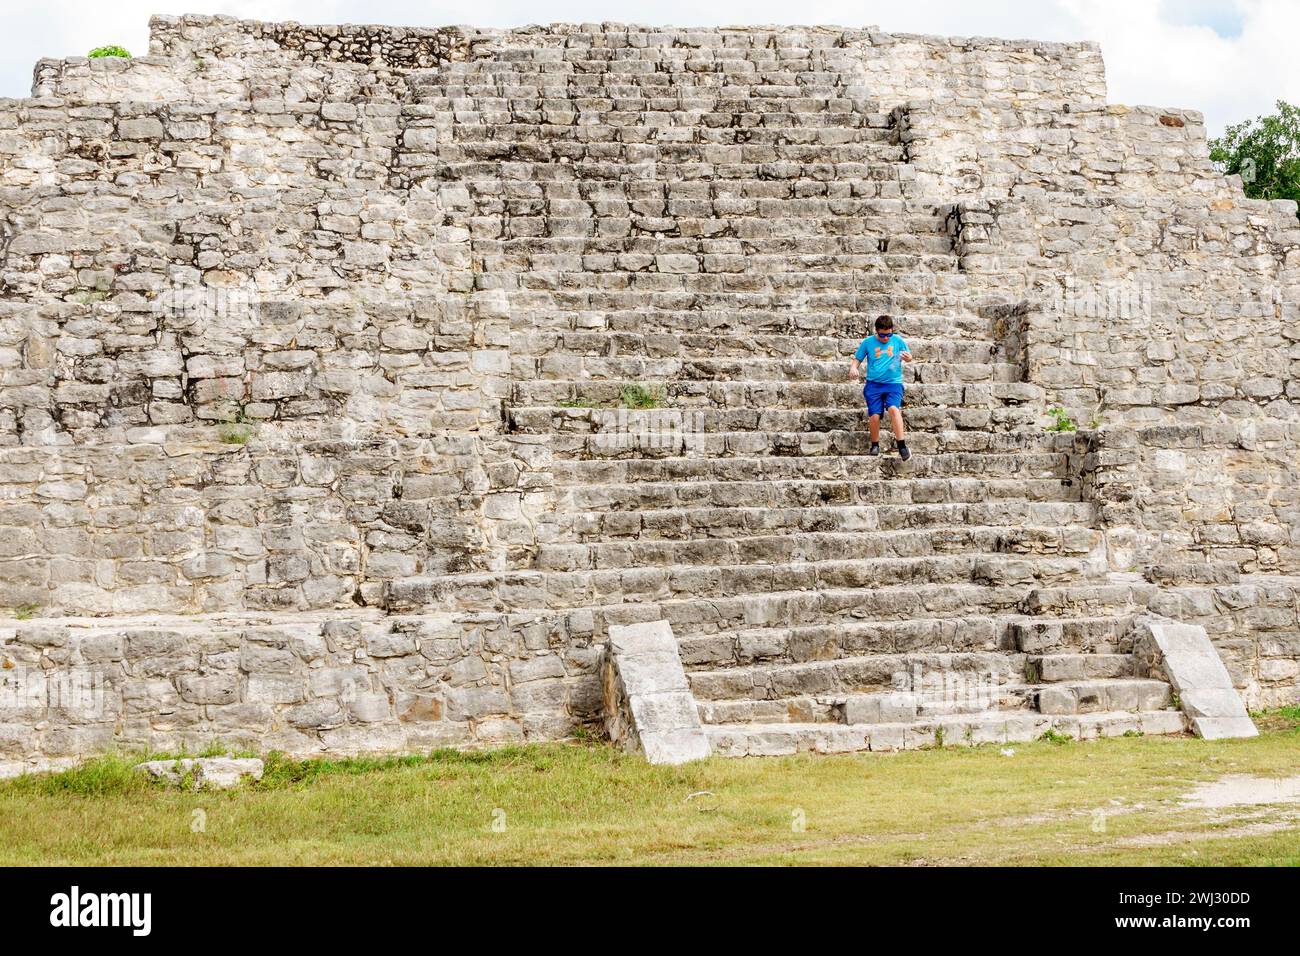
<point>1117,801</point>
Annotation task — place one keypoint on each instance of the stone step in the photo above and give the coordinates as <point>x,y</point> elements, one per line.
<point>758,159</point>
<point>666,442</point>
<point>880,707</point>
<point>788,180</point>
<point>829,233</point>
<point>784,79</point>
<point>1007,578</point>
<point>810,493</point>
<point>888,689</point>
<point>1051,668</point>
<point>657,65</point>
<point>1091,696</point>
<point>577,370</point>
<point>544,420</point>
<point>803,184</point>
<point>853,637</point>
<point>816,546</point>
<point>813,194</point>
<point>555,92</point>
<point>524,592</point>
<point>518,111</point>
<point>736,324</point>
<point>850,675</point>
<point>668,85</point>
<point>864,521</point>
<point>740,740</point>
<point>1094,635</point>
<point>745,137</point>
<point>763,395</point>
<point>845,637</point>
<point>650,49</point>
<point>740,628</point>
<point>796,225</point>
<point>1118,596</point>
<point>534,339</point>
<point>579,261</point>
<point>665,266</point>
<point>660,65</point>
<point>722,301</point>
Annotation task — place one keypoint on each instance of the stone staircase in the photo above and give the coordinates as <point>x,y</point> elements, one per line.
<point>719,227</point>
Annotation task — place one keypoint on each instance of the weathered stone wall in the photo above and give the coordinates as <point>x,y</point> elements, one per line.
<point>270,261</point>
<point>181,526</point>
<point>1171,323</point>
<point>900,67</point>
<point>1255,626</point>
<point>198,79</point>
<point>973,148</point>
<point>892,68</point>
<point>227,37</point>
<point>337,682</point>
<point>1187,495</point>
<point>1162,308</point>
<point>242,361</point>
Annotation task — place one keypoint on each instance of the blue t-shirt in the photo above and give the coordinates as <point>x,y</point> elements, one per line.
<point>884,359</point>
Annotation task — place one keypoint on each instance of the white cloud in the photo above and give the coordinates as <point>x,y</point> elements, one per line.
<point>1230,60</point>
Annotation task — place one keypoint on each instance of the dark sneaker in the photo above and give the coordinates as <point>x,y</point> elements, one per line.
<point>903,451</point>
<point>875,448</point>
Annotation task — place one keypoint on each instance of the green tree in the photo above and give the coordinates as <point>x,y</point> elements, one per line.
<point>1265,152</point>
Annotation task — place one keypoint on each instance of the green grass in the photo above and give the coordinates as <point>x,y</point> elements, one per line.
<point>630,396</point>
<point>641,396</point>
<point>1061,421</point>
<point>25,612</point>
<point>588,804</point>
<point>234,433</point>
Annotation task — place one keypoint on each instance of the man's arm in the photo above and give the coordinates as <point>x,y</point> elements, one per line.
<point>855,369</point>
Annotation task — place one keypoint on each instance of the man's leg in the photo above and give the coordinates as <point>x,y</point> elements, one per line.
<point>875,406</point>
<point>895,409</point>
<point>895,423</point>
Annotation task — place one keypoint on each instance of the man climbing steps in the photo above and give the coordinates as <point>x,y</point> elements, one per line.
<point>883,354</point>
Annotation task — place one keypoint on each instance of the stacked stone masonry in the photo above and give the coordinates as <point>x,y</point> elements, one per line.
<point>313,342</point>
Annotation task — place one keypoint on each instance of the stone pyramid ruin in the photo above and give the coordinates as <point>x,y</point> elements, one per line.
<point>355,381</point>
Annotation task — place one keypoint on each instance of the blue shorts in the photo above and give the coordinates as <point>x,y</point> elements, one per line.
<point>882,395</point>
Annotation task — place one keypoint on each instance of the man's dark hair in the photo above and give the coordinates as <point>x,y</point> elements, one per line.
<point>884,323</point>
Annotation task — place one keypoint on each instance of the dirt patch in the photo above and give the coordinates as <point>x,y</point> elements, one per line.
<point>1236,790</point>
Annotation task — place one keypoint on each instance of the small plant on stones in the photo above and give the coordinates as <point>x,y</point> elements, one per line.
<point>111,50</point>
<point>1054,736</point>
<point>25,612</point>
<point>641,396</point>
<point>237,429</point>
<point>1061,421</point>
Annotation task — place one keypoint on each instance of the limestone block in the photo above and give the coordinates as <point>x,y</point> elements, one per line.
<point>649,707</point>
<point>207,773</point>
<point>1183,654</point>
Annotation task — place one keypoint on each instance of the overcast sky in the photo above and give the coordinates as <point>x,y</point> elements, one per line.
<point>1231,59</point>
